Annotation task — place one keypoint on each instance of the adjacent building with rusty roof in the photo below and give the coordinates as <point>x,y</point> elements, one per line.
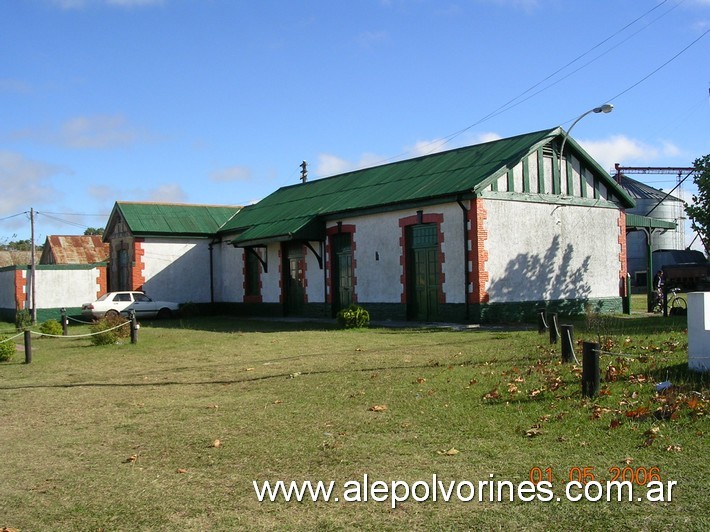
<point>74,249</point>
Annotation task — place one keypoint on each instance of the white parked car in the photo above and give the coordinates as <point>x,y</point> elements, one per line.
<point>115,303</point>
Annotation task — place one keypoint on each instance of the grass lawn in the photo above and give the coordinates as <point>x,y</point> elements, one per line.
<point>124,437</point>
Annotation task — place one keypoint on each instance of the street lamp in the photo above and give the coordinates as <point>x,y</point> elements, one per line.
<point>606,108</point>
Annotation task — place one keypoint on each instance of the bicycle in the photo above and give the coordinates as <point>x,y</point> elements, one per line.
<point>677,305</point>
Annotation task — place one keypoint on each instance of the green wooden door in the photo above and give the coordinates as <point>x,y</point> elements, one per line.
<point>342,271</point>
<point>423,274</point>
<point>294,280</point>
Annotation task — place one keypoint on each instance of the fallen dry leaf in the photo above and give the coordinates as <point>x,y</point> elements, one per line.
<point>180,470</point>
<point>450,452</point>
<point>421,380</point>
<point>216,443</point>
<point>213,406</point>
<point>652,432</point>
<point>628,460</point>
<point>378,408</point>
<point>131,459</point>
<point>535,431</point>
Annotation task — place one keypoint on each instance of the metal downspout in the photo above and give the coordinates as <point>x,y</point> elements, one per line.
<point>467,273</point>
<point>211,248</point>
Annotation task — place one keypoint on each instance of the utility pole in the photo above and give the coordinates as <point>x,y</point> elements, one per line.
<point>34,266</point>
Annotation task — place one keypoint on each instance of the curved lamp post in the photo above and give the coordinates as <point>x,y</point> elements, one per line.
<point>606,108</point>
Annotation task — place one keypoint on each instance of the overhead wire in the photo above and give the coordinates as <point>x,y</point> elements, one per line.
<point>660,67</point>
<point>514,102</point>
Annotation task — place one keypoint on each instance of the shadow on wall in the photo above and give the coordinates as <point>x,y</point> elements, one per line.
<point>545,278</point>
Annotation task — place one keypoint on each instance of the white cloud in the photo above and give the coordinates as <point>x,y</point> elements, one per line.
<point>627,151</point>
<point>165,193</point>
<point>86,132</point>
<point>25,183</point>
<point>331,165</point>
<point>328,164</point>
<point>169,193</point>
<point>232,173</point>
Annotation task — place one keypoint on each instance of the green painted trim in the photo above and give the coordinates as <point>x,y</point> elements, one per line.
<point>556,178</point>
<point>395,207</point>
<point>494,185</point>
<point>527,311</point>
<point>526,175</point>
<point>71,266</point>
<point>510,178</point>
<point>570,178</point>
<point>540,171</point>
<point>596,188</point>
<point>582,182</point>
<point>550,199</point>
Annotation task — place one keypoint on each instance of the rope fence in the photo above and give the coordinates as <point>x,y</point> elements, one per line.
<point>133,323</point>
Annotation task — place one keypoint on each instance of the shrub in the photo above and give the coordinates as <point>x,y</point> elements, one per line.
<point>7,349</point>
<point>23,319</point>
<point>52,327</point>
<point>102,333</point>
<point>353,317</point>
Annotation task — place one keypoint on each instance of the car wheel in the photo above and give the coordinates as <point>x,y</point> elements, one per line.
<point>111,314</point>
<point>164,313</point>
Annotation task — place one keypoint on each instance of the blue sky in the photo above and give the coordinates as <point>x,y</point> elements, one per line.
<point>219,101</point>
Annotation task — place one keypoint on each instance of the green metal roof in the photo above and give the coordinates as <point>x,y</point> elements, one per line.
<point>443,176</point>
<point>173,219</point>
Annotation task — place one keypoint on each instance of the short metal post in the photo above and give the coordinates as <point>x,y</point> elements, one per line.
<point>65,322</point>
<point>626,300</point>
<point>553,328</point>
<point>541,323</point>
<point>134,328</point>
<point>567,343</point>
<point>28,347</point>
<point>590,369</point>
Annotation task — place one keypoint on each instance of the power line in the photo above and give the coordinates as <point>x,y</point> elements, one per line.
<point>13,216</point>
<point>75,224</point>
<point>660,67</point>
<point>513,102</point>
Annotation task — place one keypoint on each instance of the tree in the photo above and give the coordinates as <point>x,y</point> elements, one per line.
<point>699,211</point>
<point>94,231</point>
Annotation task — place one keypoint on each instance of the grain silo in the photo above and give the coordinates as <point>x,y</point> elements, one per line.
<point>656,204</point>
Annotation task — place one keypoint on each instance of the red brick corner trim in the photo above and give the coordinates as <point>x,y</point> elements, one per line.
<point>478,255</point>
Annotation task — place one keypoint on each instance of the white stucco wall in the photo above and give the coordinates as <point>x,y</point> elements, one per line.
<point>378,268</point>
<point>270,289</point>
<point>547,252</point>
<point>315,290</point>
<point>7,288</point>
<point>66,287</point>
<point>228,273</point>
<point>177,270</point>
<point>55,288</point>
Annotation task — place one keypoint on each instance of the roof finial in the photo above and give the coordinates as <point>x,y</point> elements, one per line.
<point>304,171</point>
